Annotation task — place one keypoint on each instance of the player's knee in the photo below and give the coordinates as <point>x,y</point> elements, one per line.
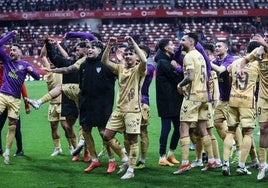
<point>12,121</point>
<point>213,137</point>
<point>106,137</point>
<point>218,121</point>
<point>247,131</point>
<point>231,129</point>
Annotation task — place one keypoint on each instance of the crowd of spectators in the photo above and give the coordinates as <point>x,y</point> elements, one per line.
<point>65,5</point>
<point>31,32</point>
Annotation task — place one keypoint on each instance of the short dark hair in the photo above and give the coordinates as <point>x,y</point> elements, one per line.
<point>130,48</point>
<point>16,44</point>
<point>97,44</point>
<point>163,43</point>
<point>82,44</point>
<point>252,45</point>
<point>210,47</point>
<point>192,36</point>
<point>146,49</point>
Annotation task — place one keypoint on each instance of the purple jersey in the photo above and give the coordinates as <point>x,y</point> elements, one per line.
<point>223,78</point>
<point>82,35</point>
<point>146,84</point>
<point>14,72</point>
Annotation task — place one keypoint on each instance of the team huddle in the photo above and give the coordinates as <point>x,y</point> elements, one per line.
<point>198,87</point>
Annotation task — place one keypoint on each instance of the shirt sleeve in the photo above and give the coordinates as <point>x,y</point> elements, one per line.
<point>82,35</point>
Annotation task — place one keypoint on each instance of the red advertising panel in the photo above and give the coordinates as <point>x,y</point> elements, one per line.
<point>106,14</point>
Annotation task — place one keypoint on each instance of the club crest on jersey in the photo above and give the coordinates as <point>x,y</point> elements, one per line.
<point>98,69</point>
<point>20,67</point>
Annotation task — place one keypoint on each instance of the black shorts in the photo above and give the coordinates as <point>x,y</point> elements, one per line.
<point>68,108</point>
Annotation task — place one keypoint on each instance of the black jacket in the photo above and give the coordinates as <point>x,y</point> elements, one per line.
<point>68,106</point>
<point>96,93</point>
<point>167,98</point>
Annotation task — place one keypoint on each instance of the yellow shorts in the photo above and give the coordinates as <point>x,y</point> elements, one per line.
<point>10,103</point>
<point>245,116</point>
<point>192,111</point>
<point>262,110</point>
<point>221,110</point>
<point>71,91</point>
<point>145,112</point>
<point>54,112</point>
<point>210,122</point>
<point>122,121</point>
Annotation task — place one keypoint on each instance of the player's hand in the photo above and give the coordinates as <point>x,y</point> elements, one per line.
<point>46,37</point>
<point>239,73</point>
<point>58,42</point>
<point>129,40</point>
<point>28,111</point>
<point>46,69</point>
<point>112,41</point>
<point>43,52</point>
<point>30,69</point>
<point>179,89</point>
<point>175,64</point>
<point>259,39</point>
<point>15,32</point>
<point>64,37</point>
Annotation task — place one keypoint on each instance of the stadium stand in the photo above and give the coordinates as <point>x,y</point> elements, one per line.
<point>149,31</point>
<point>49,5</point>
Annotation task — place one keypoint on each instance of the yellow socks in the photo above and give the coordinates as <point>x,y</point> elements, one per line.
<point>115,145</point>
<point>47,97</point>
<point>245,148</point>
<point>215,147</point>
<point>206,141</point>
<point>198,148</point>
<point>144,144</point>
<point>262,155</point>
<point>227,146</point>
<point>185,144</point>
<point>56,143</point>
<point>133,155</point>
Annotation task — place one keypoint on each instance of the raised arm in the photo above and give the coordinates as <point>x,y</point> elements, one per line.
<point>105,56</point>
<point>57,60</point>
<point>70,69</point>
<point>9,36</point>
<point>82,35</point>
<point>45,62</point>
<point>62,51</point>
<point>5,58</point>
<point>259,39</point>
<point>142,57</point>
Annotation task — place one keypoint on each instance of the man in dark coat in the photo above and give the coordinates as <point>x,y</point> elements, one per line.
<point>96,100</point>
<point>168,99</point>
